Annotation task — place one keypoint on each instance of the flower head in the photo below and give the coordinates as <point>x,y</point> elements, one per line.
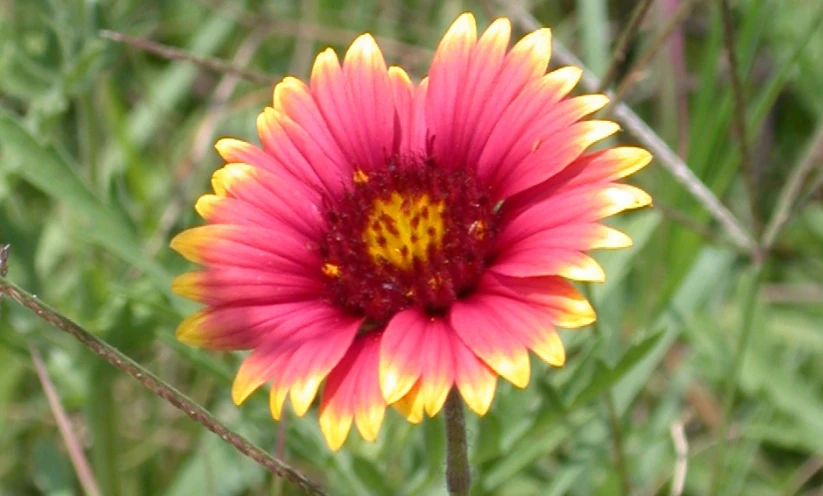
<point>393,241</point>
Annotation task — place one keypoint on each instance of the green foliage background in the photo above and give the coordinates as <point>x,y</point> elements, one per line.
<point>104,147</point>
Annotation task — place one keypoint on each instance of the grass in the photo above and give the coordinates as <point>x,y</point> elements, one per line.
<point>701,378</point>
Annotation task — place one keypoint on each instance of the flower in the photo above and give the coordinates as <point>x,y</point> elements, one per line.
<point>398,240</point>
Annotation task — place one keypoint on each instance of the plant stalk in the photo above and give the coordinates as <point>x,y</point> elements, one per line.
<point>458,473</point>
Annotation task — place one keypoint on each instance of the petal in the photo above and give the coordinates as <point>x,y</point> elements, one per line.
<point>237,151</point>
<point>411,405</point>
<point>474,379</point>
<point>371,99</point>
<point>493,343</point>
<point>352,394</point>
<point>242,286</point>
<point>257,369</point>
<point>526,320</point>
<point>247,246</point>
<point>297,152</point>
<point>403,94</point>
<point>410,104</point>
<point>602,166</point>
<point>250,195</point>
<point>586,204</point>
<point>586,236</point>
<point>536,114</point>
<point>400,363</point>
<point>356,102</point>
<point>293,98</point>
<point>529,259</point>
<point>558,300</point>
<point>485,62</point>
<point>548,155</point>
<point>524,64</point>
<point>277,396</point>
<point>438,375</point>
<point>328,87</point>
<point>313,361</point>
<point>447,81</point>
<point>228,328</point>
<point>307,346</point>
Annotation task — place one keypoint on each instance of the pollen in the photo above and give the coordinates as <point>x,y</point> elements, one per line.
<point>404,228</point>
<point>360,177</point>
<point>331,270</point>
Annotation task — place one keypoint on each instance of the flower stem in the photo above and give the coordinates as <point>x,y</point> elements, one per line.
<point>458,474</point>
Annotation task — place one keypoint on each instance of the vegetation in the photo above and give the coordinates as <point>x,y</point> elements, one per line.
<point>701,376</point>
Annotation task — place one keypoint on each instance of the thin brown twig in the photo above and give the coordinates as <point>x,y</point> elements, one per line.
<point>739,122</point>
<point>158,387</point>
<point>791,190</point>
<point>78,459</point>
<point>803,474</point>
<point>626,37</point>
<point>4,258</point>
<point>172,53</point>
<point>301,29</point>
<point>643,60</point>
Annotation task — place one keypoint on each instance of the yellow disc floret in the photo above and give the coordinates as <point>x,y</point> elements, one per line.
<point>403,228</point>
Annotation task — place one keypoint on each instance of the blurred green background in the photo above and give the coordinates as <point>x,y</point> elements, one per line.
<point>104,147</point>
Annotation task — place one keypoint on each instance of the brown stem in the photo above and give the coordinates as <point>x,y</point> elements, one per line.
<point>626,37</point>
<point>749,174</point>
<point>458,473</point>
<point>172,53</point>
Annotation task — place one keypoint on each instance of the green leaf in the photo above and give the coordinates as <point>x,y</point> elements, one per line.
<point>51,172</point>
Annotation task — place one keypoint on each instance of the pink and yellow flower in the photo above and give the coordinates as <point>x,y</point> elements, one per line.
<point>392,241</point>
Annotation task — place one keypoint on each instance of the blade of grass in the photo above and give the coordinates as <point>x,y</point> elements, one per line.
<point>594,23</point>
<point>158,387</point>
<point>749,309</point>
<point>53,173</point>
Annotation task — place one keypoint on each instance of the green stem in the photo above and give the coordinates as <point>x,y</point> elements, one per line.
<point>458,474</point>
<point>750,305</point>
<point>102,416</point>
<point>158,387</point>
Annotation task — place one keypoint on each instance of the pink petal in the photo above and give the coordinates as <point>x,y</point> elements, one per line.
<point>585,204</point>
<point>352,393</point>
<point>530,259</point>
<point>603,166</point>
<point>448,78</point>
<point>493,343</point>
<point>473,378</point>
<point>371,98</point>
<point>245,286</point>
<point>248,246</point>
<point>523,65</point>
<point>416,346</point>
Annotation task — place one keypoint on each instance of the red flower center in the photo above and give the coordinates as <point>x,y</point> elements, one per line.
<point>408,235</point>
